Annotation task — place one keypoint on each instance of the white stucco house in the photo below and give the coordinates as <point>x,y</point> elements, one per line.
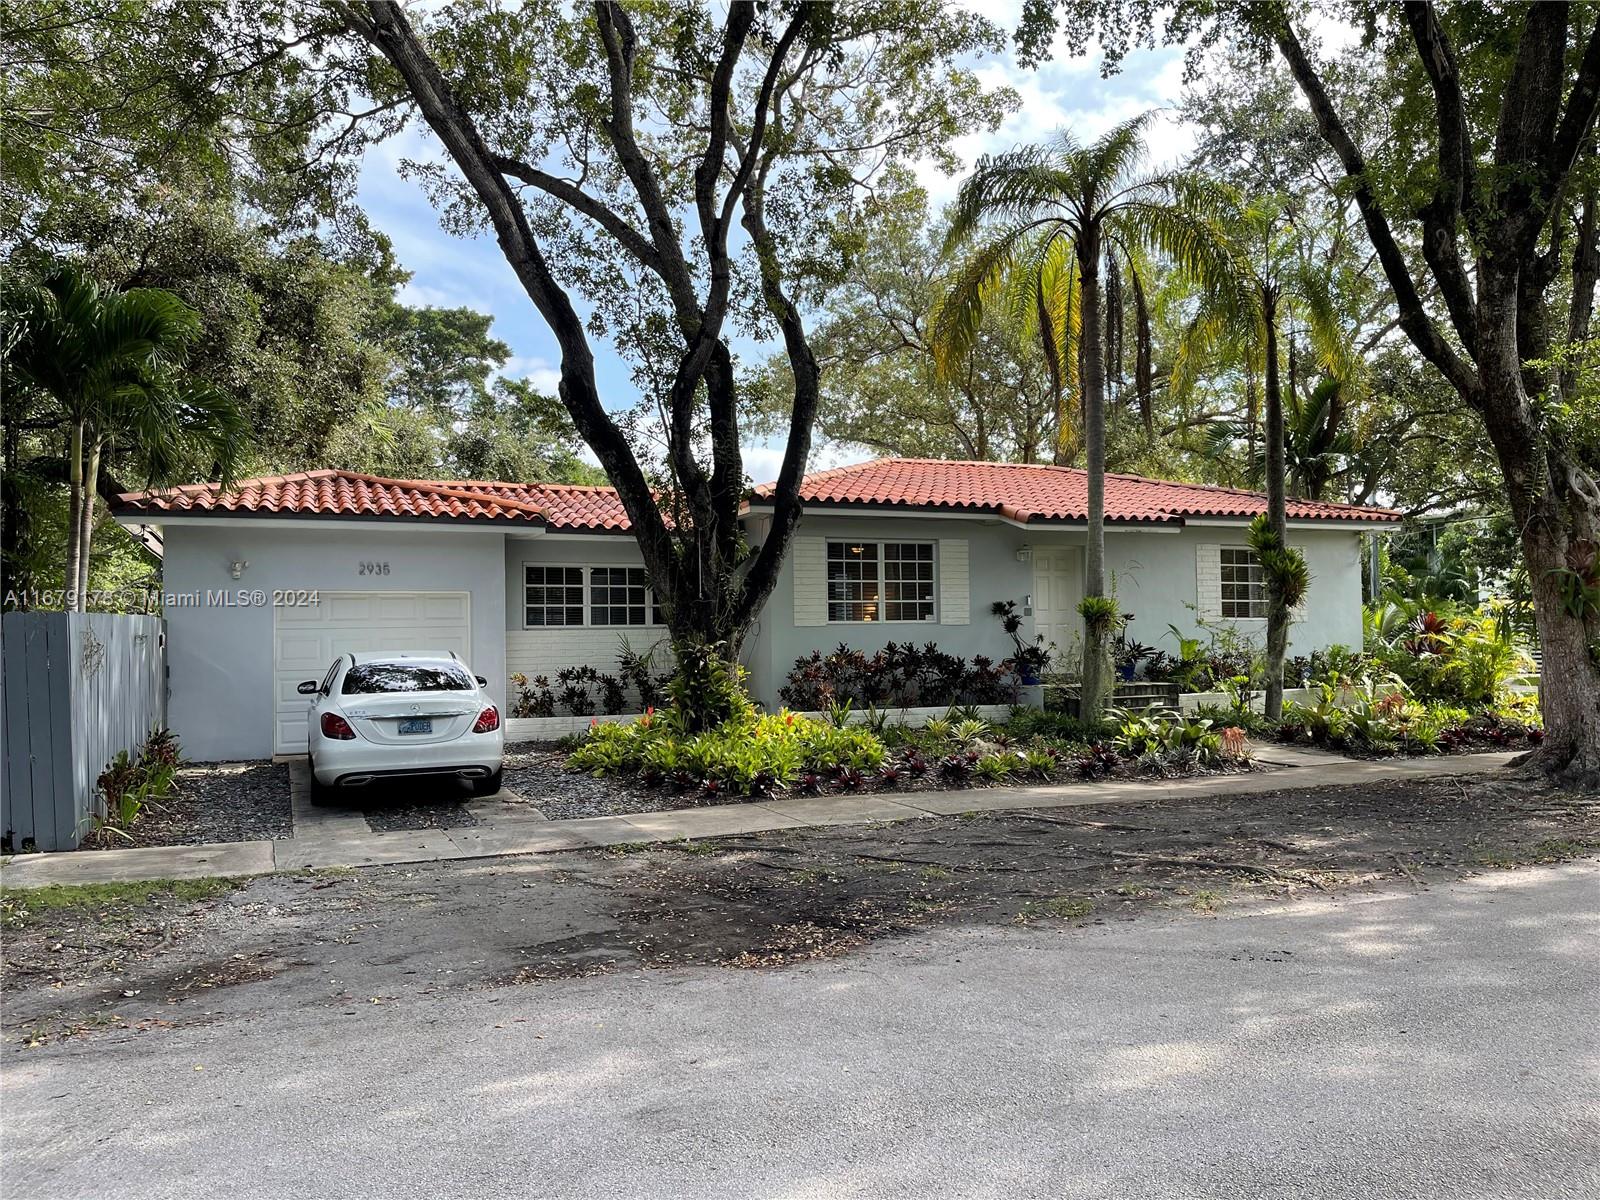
<point>267,582</point>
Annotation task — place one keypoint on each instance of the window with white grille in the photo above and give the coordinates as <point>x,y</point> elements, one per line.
<point>880,581</point>
<point>1244,590</point>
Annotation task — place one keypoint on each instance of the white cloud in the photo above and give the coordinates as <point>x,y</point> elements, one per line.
<point>762,463</point>
<point>1068,93</point>
<point>540,372</point>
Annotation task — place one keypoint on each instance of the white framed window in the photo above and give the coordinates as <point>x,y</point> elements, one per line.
<point>1244,588</point>
<point>621,596</point>
<point>551,596</point>
<point>880,581</point>
<point>558,596</point>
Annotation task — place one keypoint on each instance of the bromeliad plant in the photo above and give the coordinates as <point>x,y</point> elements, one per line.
<point>131,784</point>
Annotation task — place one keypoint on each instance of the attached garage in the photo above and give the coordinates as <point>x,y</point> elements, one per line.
<point>307,638</point>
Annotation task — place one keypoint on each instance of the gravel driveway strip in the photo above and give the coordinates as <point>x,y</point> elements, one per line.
<point>217,802</point>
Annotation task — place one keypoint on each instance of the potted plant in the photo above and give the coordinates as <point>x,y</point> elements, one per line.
<point>1127,655</point>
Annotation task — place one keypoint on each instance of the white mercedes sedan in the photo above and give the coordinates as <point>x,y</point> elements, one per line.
<point>378,716</point>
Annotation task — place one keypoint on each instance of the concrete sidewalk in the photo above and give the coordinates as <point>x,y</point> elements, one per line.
<point>329,838</point>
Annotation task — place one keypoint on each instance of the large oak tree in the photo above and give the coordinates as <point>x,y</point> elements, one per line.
<point>674,176</point>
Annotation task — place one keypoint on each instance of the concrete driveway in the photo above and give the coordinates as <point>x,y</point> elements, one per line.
<point>1405,1044</point>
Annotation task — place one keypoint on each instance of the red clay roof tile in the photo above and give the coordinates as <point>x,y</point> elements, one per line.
<point>1023,493</point>
<point>1035,493</point>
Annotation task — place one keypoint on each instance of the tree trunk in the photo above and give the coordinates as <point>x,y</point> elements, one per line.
<point>91,483</point>
<point>1569,676</point>
<point>69,577</point>
<point>14,531</point>
<point>1277,610</point>
<point>1552,514</point>
<point>1096,667</point>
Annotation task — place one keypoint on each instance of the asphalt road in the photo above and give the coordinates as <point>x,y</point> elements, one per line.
<point>1438,1044</point>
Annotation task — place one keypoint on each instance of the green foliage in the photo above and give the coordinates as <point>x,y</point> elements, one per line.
<point>749,756</point>
<point>1100,613</point>
<point>70,903</point>
<point>1465,659</point>
<point>130,784</point>
<point>1169,736</point>
<point>1288,576</point>
<point>707,688</point>
<point>996,768</point>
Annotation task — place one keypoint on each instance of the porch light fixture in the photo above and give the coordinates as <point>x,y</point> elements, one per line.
<point>236,568</point>
<point>1024,553</point>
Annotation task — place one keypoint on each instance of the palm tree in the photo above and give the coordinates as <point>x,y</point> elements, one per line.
<point>1045,225</point>
<point>1246,294</point>
<point>110,360</point>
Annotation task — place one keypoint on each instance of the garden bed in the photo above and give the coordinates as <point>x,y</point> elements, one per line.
<point>212,802</point>
<point>542,777</point>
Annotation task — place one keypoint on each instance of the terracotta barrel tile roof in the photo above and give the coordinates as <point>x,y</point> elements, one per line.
<point>334,494</point>
<point>1027,494</point>
<point>1036,493</point>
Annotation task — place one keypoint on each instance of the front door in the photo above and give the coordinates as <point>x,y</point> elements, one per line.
<point>1057,588</point>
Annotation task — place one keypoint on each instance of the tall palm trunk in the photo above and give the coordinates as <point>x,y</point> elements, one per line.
<point>91,487</point>
<point>69,578</point>
<point>1095,662</point>
<point>1277,609</point>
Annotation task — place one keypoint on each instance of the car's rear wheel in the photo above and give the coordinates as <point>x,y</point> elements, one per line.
<point>489,784</point>
<point>321,793</point>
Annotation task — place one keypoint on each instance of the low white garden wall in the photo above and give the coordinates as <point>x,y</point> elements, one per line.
<point>1188,702</point>
<point>548,729</point>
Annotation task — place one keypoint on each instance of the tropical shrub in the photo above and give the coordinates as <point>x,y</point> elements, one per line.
<point>1177,741</point>
<point>1467,658</point>
<point>130,784</point>
<point>751,755</point>
<point>901,675</point>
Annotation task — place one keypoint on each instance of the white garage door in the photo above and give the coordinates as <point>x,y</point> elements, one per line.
<point>306,639</point>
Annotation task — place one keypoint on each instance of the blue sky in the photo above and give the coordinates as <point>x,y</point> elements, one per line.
<point>449,271</point>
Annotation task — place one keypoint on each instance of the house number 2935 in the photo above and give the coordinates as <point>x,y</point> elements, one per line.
<point>373,568</point>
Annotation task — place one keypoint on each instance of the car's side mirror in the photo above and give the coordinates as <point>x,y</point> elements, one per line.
<point>482,682</point>
<point>309,687</point>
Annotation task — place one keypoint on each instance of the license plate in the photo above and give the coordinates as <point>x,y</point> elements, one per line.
<point>417,725</point>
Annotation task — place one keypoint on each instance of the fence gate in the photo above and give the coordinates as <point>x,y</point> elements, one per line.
<point>77,688</point>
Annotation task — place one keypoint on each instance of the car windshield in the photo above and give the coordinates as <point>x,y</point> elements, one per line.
<point>370,678</point>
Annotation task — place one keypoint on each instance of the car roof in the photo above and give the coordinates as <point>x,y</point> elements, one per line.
<point>398,656</point>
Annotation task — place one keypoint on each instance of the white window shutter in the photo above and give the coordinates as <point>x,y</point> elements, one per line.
<point>809,556</point>
<point>955,584</point>
<point>1208,579</point>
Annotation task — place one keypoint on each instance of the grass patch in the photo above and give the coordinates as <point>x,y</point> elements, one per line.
<point>1552,850</point>
<point>691,847</point>
<point>21,908</point>
<point>932,873</point>
<point>1062,908</point>
<point>622,848</point>
<point>1206,901</point>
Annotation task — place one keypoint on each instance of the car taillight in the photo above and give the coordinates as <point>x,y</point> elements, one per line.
<point>488,720</point>
<point>335,726</point>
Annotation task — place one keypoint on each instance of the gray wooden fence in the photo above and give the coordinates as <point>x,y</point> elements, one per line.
<point>78,687</point>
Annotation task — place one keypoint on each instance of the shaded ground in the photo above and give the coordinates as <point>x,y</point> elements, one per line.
<point>214,802</point>
<point>374,937</point>
<point>1384,1043</point>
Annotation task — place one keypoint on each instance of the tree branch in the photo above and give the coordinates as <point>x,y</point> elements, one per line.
<point>634,242</point>
<point>1455,192</point>
<point>384,25</point>
<point>1414,318</point>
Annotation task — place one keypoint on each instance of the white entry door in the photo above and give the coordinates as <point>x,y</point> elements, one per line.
<point>1057,588</point>
<point>306,639</point>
